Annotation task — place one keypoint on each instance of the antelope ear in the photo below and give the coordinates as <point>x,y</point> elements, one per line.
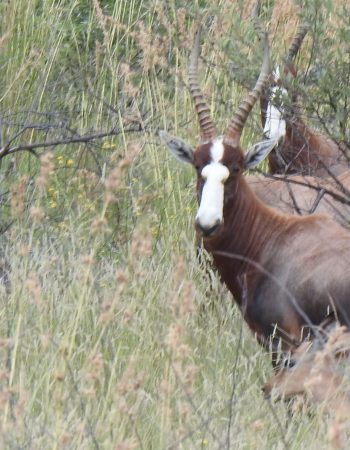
<point>258,153</point>
<point>178,147</point>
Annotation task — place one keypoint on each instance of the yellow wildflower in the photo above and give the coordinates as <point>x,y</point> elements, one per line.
<point>108,146</point>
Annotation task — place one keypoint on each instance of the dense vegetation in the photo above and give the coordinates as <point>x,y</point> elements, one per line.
<point>111,335</point>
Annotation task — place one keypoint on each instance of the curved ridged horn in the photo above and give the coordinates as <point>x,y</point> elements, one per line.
<point>240,117</point>
<point>207,127</point>
<point>293,50</point>
<point>296,42</point>
<point>256,22</point>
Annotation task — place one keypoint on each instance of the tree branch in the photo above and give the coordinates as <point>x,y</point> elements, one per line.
<point>7,149</point>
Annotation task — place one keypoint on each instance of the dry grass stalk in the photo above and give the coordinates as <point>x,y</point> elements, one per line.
<point>37,214</point>
<point>18,197</point>
<point>129,444</point>
<point>153,46</point>
<point>102,22</point>
<point>4,38</point>
<point>46,168</point>
<point>115,179</point>
<point>33,286</point>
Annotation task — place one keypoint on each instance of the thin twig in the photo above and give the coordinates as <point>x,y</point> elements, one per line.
<point>339,198</point>
<point>6,150</point>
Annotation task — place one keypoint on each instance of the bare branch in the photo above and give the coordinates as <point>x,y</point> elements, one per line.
<point>7,149</point>
<point>318,188</point>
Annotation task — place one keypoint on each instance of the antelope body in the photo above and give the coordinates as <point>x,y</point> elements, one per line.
<point>317,370</point>
<point>304,151</point>
<point>305,195</point>
<point>284,272</point>
<point>276,266</point>
<point>300,150</point>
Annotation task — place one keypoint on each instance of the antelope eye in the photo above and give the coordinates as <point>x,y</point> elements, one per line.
<point>288,363</point>
<point>234,169</point>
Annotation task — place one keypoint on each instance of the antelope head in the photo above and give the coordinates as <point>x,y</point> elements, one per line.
<point>273,119</point>
<point>219,160</point>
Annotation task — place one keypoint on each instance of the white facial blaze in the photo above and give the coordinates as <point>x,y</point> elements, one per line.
<point>210,211</point>
<point>275,125</point>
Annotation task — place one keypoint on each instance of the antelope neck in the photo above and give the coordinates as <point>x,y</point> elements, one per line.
<point>248,229</point>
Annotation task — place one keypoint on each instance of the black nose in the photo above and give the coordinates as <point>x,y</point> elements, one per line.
<point>208,231</point>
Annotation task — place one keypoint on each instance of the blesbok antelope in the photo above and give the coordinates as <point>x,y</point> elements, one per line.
<point>284,272</point>
<point>298,194</point>
<point>300,149</point>
<point>317,370</point>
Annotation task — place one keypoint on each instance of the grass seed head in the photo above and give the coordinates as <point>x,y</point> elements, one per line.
<point>18,197</point>
<point>33,286</point>
<point>141,244</point>
<point>129,444</point>
<point>95,367</point>
<point>187,305</point>
<point>4,38</point>
<point>102,22</point>
<point>174,338</point>
<point>46,168</point>
<point>37,214</point>
<point>336,435</point>
<point>87,260</point>
<point>121,277</point>
<point>99,226</point>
